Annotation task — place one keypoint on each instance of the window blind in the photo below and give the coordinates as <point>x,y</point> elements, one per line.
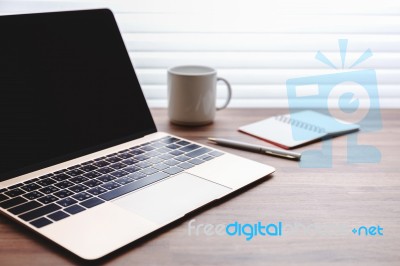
<point>256,45</point>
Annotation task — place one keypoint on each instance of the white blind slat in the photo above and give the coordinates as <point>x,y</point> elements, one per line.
<point>277,60</point>
<point>256,42</point>
<point>263,76</point>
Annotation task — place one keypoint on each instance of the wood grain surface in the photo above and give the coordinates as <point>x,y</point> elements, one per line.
<point>317,206</point>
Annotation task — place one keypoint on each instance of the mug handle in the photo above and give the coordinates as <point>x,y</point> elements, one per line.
<point>229,93</point>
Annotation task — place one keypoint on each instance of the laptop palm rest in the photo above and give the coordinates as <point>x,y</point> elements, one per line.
<point>172,198</point>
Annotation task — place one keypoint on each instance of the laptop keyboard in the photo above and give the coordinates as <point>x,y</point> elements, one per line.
<point>56,196</point>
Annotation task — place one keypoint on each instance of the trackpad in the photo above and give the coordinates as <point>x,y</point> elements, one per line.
<point>172,198</point>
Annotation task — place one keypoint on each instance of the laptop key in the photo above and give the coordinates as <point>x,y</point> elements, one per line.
<point>169,140</point>
<point>45,176</point>
<point>118,173</point>
<point>25,207</point>
<point>47,199</point>
<point>88,168</point>
<point>113,159</point>
<point>74,209</point>
<point>185,165</point>
<point>87,163</point>
<point>183,143</point>
<point>143,164</point>
<point>46,182</point>
<point>133,186</point>
<point>15,186</point>
<point>82,196</point>
<point>91,202</point>
<point>3,197</point>
<point>166,156</point>
<point>154,160</point>
<point>78,188</point>
<point>172,162</point>
<point>12,202</point>
<point>137,175</point>
<point>30,187</point>
<point>141,157</point>
<point>64,184</point>
<point>74,167</point>
<point>14,193</point>
<point>117,166</point>
<point>182,158</point>
<point>105,178</point>
<point>60,171</point>
<point>79,179</point>
<point>57,216</point>
<point>149,170</point>
<point>196,161</point>
<point>97,191</point>
<point>216,153</point>
<point>75,172</point>
<point>135,151</point>
<point>28,216</point>
<point>33,195</point>
<point>198,152</point>
<point>129,161</point>
<point>173,146</point>
<point>93,183</point>
<point>160,166</point>
<point>63,193</point>
<point>61,177</point>
<point>190,147</point>
<point>28,182</point>
<point>124,155</point>
<point>41,222</point>
<point>92,174</point>
<point>48,190</point>
<point>132,169</point>
<point>105,170</point>
<point>66,202</point>
<point>124,180</point>
<point>176,152</point>
<point>173,170</point>
<point>206,157</point>
<point>110,185</point>
<point>147,148</point>
<point>101,163</point>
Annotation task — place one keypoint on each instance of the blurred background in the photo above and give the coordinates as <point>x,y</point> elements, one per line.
<point>256,45</point>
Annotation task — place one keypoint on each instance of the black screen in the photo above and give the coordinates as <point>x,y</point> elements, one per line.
<point>67,88</point>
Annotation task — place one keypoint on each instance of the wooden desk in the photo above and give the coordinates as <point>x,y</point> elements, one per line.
<point>346,194</point>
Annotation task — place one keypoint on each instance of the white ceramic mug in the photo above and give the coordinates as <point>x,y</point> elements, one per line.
<point>192,94</point>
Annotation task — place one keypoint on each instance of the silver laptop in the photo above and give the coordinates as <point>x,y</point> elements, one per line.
<point>82,162</point>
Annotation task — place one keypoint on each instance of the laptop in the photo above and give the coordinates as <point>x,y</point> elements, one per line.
<point>81,160</point>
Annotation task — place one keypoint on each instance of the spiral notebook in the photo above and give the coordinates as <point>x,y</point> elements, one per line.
<point>292,130</point>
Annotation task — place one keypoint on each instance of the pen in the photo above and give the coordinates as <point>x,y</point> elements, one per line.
<point>256,148</point>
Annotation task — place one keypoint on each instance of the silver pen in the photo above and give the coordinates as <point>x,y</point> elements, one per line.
<point>256,148</point>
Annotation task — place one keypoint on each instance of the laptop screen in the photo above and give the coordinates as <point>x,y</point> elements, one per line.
<point>67,88</point>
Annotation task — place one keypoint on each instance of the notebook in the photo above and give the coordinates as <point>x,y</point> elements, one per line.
<point>292,130</point>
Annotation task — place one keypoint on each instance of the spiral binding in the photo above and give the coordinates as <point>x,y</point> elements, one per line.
<point>299,124</point>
